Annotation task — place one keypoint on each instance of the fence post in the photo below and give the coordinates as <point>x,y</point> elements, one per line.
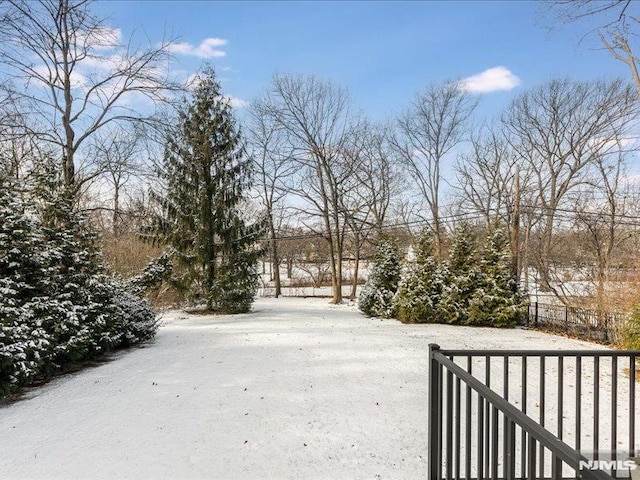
<point>435,398</point>
<point>535,321</point>
<point>566,317</point>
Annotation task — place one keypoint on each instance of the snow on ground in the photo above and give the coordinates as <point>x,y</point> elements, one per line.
<point>297,389</point>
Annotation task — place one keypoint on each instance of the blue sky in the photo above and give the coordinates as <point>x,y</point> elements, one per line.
<point>383,52</point>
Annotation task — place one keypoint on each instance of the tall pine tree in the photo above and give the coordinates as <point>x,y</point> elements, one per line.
<point>464,277</point>
<point>207,174</point>
<point>377,295</point>
<point>420,292</point>
<point>497,300</point>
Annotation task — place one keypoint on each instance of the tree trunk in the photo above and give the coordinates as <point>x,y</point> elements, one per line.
<point>601,278</point>
<point>356,268</point>
<point>116,211</point>
<point>275,259</point>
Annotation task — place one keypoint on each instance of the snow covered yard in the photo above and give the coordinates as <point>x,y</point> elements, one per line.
<point>296,389</point>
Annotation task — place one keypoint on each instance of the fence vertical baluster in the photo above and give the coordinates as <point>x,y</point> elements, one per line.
<point>632,404</point>
<point>449,426</point>
<point>560,395</point>
<point>510,458</point>
<point>467,447</point>
<point>542,404</point>
<point>505,381</point>
<point>487,431</point>
<point>523,438</point>
<point>556,468</point>
<point>494,443</point>
<point>433,435</point>
<point>480,449</point>
<point>614,411</point>
<point>596,406</point>
<point>456,439</point>
<point>578,444</point>
<point>531,459</point>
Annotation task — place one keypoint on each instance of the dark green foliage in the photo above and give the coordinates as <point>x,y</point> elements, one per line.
<point>465,290</point>
<point>420,291</point>
<point>154,274</point>
<point>206,174</point>
<point>24,344</point>
<point>56,305</point>
<point>376,298</point>
<point>464,277</point>
<point>497,300</point>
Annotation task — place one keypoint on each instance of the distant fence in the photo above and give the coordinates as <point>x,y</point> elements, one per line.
<point>577,322</point>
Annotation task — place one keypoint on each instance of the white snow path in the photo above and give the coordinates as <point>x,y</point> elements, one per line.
<point>296,389</point>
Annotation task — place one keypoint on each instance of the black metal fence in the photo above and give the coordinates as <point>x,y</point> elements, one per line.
<point>578,322</point>
<point>509,415</point>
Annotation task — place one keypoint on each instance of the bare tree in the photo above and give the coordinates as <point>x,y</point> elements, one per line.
<point>617,21</point>
<point>486,176</point>
<point>600,216</point>
<point>561,130</point>
<point>271,156</point>
<point>315,116</point>
<point>376,182</point>
<point>77,74</point>
<point>119,162</point>
<point>433,125</point>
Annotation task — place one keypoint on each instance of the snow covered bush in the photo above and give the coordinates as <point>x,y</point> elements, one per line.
<point>497,300</point>
<point>376,298</point>
<point>463,278</point>
<point>419,295</point>
<point>157,271</point>
<point>57,307</point>
<point>465,290</point>
<point>24,344</point>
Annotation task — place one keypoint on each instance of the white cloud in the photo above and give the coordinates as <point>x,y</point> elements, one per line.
<point>236,102</point>
<point>47,77</point>
<point>491,80</point>
<point>612,145</point>
<point>208,48</point>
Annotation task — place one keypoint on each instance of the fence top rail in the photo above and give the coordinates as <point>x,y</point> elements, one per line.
<point>541,353</point>
<point>546,439</point>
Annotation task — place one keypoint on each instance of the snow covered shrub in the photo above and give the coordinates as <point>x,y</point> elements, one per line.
<point>56,305</point>
<point>121,318</point>
<point>463,278</point>
<point>24,344</point>
<point>497,300</point>
<point>419,295</point>
<point>376,298</point>
<point>156,272</point>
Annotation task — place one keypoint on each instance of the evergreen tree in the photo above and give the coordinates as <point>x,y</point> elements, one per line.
<point>207,174</point>
<point>463,279</point>
<point>376,298</point>
<point>497,300</point>
<point>24,343</point>
<point>419,296</point>
<point>57,307</point>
